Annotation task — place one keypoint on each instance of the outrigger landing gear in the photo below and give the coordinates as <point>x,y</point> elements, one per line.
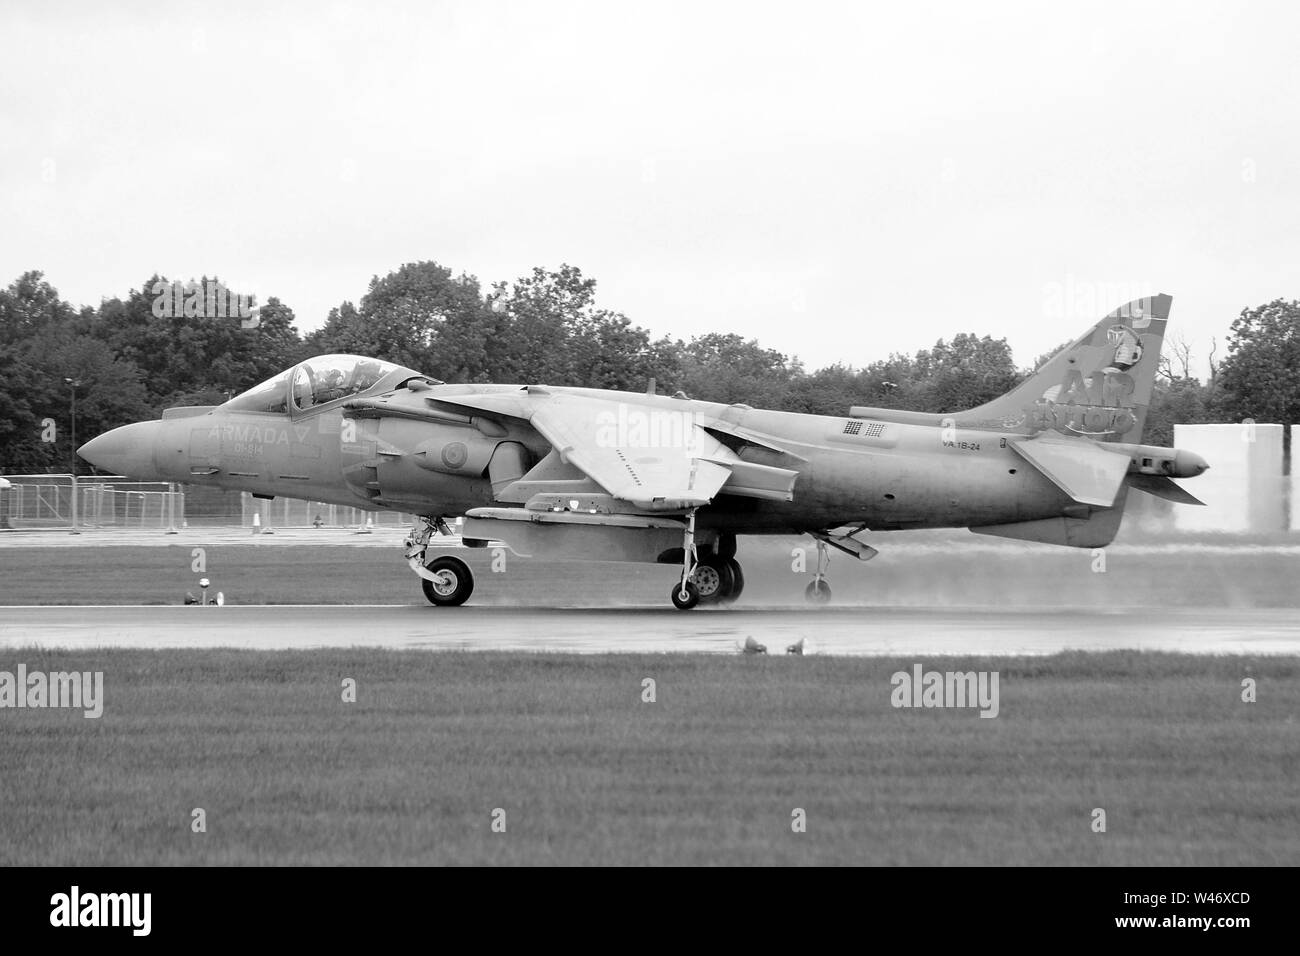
<point>446,581</point>
<point>819,592</point>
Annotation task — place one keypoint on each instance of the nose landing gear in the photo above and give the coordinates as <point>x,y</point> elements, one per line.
<point>446,581</point>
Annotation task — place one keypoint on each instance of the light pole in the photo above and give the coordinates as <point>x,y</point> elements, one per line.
<point>74,383</point>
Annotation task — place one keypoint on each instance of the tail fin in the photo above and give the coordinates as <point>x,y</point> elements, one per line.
<point>1098,387</point>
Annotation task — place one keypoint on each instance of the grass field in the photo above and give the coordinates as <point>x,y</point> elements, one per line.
<point>968,572</point>
<point>710,773</point>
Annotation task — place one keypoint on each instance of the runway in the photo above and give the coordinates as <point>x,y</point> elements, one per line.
<point>850,631</point>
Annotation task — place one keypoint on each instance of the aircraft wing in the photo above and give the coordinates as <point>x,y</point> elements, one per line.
<point>655,458</point>
<point>658,460</point>
<point>1084,470</point>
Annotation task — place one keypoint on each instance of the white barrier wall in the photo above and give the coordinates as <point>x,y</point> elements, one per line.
<point>1294,480</point>
<point>1244,488</point>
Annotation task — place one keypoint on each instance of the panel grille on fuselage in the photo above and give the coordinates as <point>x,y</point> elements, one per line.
<point>873,429</point>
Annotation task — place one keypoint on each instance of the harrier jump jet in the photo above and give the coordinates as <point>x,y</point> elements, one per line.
<point>588,474</point>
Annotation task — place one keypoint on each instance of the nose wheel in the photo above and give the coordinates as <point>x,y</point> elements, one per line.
<point>446,581</point>
<point>450,582</point>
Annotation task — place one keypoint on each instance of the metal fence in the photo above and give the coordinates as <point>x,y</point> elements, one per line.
<point>68,503</point>
<point>85,503</point>
<point>297,513</point>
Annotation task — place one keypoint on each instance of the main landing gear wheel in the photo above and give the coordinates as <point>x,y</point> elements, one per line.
<point>726,545</point>
<point>714,579</point>
<point>685,596</point>
<point>453,582</point>
<point>818,592</point>
<point>737,582</point>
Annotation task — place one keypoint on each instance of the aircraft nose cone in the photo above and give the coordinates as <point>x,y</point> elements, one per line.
<point>125,451</point>
<point>1188,464</point>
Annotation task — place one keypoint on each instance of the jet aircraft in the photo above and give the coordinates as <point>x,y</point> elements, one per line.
<point>597,475</point>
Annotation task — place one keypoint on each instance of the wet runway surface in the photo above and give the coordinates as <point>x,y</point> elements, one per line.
<point>856,631</point>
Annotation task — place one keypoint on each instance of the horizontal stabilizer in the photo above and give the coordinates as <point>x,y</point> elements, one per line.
<point>1084,470</point>
<point>1163,487</point>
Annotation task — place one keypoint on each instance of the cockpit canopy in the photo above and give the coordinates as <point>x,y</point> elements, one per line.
<point>319,381</point>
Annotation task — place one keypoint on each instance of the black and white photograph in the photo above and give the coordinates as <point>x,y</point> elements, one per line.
<point>593,435</point>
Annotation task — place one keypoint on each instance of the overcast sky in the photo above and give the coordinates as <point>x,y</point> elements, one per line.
<point>839,181</point>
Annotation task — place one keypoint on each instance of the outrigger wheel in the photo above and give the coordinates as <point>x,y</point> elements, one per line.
<point>453,582</point>
<point>818,592</point>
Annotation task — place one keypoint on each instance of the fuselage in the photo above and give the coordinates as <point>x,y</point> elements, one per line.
<point>865,470</point>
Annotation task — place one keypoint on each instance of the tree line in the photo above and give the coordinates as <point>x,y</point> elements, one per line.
<point>128,359</point>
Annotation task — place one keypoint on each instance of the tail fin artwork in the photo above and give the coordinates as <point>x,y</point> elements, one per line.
<point>1098,387</point>
<point>1092,394</point>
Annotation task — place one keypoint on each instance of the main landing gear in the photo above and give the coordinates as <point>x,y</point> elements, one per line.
<point>711,576</point>
<point>446,581</point>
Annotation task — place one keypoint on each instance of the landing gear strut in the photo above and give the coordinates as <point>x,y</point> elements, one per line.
<point>686,593</point>
<point>819,592</point>
<point>446,581</point>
